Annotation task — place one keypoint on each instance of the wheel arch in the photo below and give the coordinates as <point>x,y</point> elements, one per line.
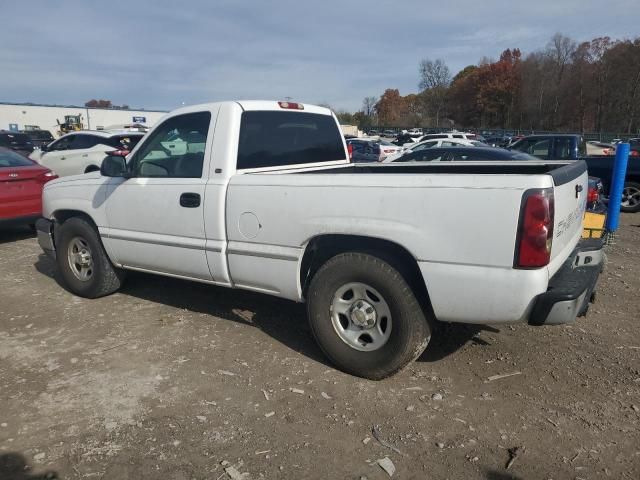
<point>321,248</point>
<point>62,215</point>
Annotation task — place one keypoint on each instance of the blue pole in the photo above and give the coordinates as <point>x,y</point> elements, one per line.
<point>617,184</point>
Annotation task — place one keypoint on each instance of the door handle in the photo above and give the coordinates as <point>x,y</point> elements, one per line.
<point>190,200</point>
<point>63,158</point>
<point>85,155</point>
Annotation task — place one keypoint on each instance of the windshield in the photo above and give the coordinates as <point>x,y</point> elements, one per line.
<point>385,143</point>
<point>12,159</point>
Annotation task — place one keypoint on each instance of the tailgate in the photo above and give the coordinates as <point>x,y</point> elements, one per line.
<point>570,201</point>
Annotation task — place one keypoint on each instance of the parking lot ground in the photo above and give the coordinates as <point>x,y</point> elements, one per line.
<point>170,379</point>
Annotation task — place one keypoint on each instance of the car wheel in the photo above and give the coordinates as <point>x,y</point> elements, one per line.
<point>365,316</point>
<point>83,262</point>
<point>91,168</point>
<point>630,197</point>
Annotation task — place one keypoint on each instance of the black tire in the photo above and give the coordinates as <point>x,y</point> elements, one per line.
<point>410,332</point>
<point>104,278</point>
<point>91,168</point>
<point>634,207</point>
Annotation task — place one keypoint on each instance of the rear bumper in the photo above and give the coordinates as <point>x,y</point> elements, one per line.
<point>571,288</point>
<point>44,229</point>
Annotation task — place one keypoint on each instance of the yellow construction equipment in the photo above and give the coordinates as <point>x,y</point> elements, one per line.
<point>71,123</point>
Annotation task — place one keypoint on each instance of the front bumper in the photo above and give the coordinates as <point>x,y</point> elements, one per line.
<point>44,229</point>
<point>571,289</point>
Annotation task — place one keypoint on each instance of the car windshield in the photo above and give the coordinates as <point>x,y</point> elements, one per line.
<point>10,159</point>
<point>40,135</point>
<point>128,142</point>
<point>14,138</point>
<point>385,143</point>
<point>515,155</point>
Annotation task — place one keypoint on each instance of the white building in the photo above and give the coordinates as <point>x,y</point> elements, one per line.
<point>22,116</point>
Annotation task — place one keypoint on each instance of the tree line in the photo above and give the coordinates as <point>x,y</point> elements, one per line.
<point>591,86</point>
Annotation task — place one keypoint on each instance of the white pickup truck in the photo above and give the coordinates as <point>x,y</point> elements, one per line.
<point>263,197</point>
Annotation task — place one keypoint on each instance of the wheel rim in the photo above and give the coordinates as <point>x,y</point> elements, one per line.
<point>80,259</point>
<point>361,316</point>
<point>630,197</point>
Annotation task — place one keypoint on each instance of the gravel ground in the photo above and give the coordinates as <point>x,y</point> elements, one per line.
<point>170,379</point>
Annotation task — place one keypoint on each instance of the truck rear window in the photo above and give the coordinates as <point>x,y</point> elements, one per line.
<point>271,139</point>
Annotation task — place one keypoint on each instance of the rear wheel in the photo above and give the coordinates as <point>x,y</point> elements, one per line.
<point>365,316</point>
<point>630,197</point>
<point>82,261</point>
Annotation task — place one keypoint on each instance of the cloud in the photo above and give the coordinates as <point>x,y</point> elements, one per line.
<point>158,54</point>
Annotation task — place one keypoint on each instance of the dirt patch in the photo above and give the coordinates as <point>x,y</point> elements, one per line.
<point>170,379</point>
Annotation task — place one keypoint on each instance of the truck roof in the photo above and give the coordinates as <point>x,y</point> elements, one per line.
<point>249,105</point>
<point>546,135</point>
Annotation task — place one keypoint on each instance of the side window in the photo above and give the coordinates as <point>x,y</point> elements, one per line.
<point>448,144</point>
<point>430,155</point>
<point>81,142</point>
<point>62,144</point>
<point>469,156</point>
<point>460,156</point>
<point>175,149</point>
<point>458,136</point>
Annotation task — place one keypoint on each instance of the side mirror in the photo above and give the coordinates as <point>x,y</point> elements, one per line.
<point>44,147</point>
<point>114,166</point>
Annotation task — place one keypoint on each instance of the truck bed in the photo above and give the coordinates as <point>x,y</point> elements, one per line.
<point>554,168</point>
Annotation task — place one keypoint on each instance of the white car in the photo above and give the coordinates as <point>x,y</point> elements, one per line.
<point>459,135</point>
<point>441,142</point>
<point>83,151</point>
<point>273,204</point>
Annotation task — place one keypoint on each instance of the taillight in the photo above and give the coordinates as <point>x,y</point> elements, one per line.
<point>291,105</point>
<point>608,151</point>
<point>634,153</point>
<point>535,229</point>
<point>593,195</point>
<point>119,153</point>
<point>350,150</point>
<point>46,176</point>
<point>388,150</point>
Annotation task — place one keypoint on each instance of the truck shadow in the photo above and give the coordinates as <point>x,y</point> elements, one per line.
<point>15,233</point>
<point>14,466</point>
<point>283,320</point>
<point>448,338</point>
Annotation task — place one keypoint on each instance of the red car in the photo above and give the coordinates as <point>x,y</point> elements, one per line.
<point>21,182</point>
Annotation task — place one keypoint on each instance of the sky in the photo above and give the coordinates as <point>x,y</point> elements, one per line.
<point>162,54</point>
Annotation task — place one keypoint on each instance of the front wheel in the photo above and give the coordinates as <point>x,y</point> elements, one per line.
<point>82,261</point>
<point>365,316</point>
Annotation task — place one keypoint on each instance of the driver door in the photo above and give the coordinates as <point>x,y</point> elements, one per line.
<point>155,219</point>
